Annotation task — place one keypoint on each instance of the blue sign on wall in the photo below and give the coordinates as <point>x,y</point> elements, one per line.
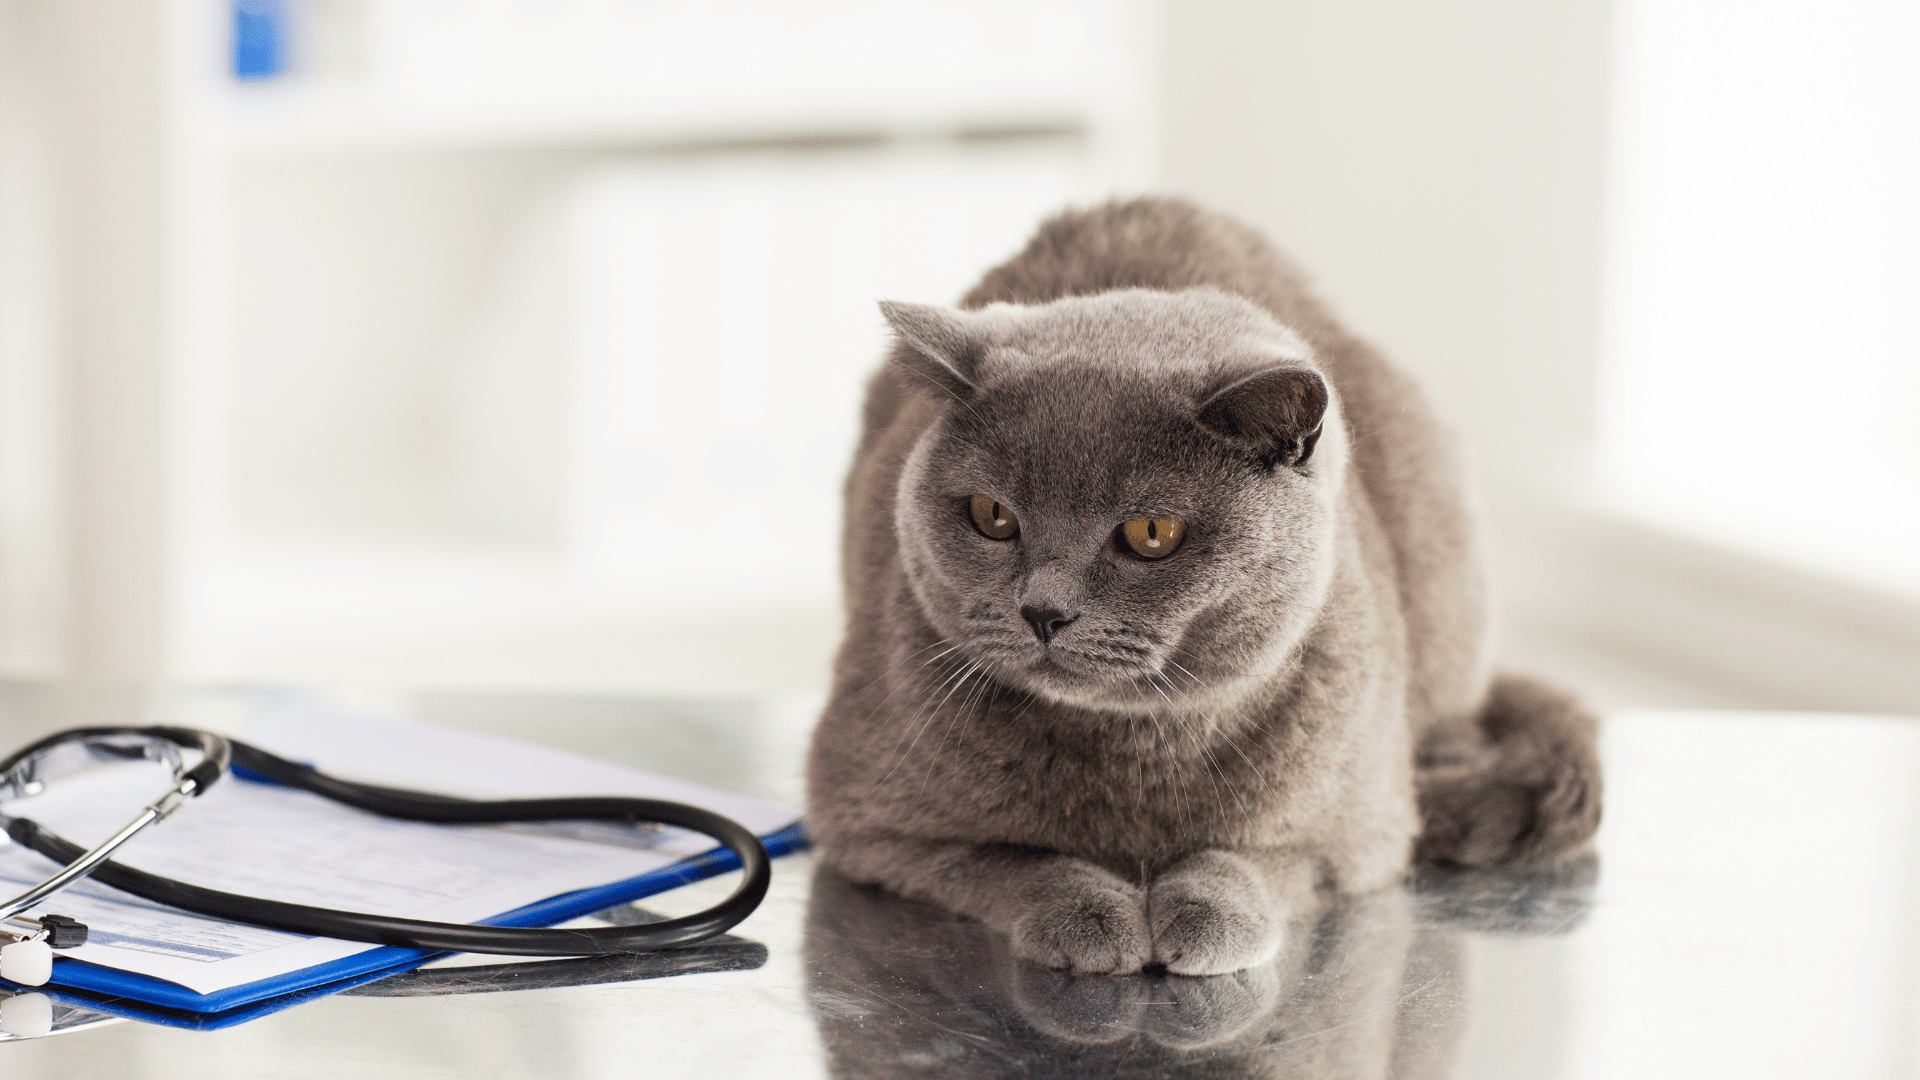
<point>259,39</point>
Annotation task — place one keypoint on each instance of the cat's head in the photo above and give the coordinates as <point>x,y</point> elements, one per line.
<point>1129,501</point>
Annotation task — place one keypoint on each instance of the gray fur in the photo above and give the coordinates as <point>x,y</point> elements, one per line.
<point>1219,740</point>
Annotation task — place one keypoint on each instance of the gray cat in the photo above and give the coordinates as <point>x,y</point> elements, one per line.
<point>1165,615</point>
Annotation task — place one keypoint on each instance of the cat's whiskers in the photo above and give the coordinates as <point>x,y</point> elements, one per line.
<point>1182,669</point>
<point>1026,704</point>
<point>974,668</point>
<point>952,685</point>
<point>1151,681</point>
<point>1180,793</point>
<point>1160,730</point>
<point>1222,782</point>
<point>1266,673</point>
<point>1265,780</point>
<point>1177,789</point>
<point>983,690</point>
<point>1219,778</point>
<point>1200,687</point>
<point>907,680</point>
<point>1213,724</point>
<point>1226,733</point>
<point>914,724</point>
<point>978,678</point>
<point>893,664</point>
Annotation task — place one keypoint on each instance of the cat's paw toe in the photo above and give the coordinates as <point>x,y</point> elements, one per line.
<point>1094,930</point>
<point>1205,925</point>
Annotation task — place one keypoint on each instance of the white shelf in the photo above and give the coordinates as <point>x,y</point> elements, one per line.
<point>340,118</point>
<point>410,74</point>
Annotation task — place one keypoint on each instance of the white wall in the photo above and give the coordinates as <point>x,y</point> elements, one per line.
<point>1438,168</point>
<point>1763,377</point>
<point>1450,174</point>
<point>574,419</point>
<point>33,568</point>
<point>291,371</point>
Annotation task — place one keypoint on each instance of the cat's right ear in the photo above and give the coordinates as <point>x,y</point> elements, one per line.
<point>937,345</point>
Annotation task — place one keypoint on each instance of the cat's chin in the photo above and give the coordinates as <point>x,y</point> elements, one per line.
<point>1143,692</point>
<point>1101,699</point>
<point>1052,679</point>
<point>1132,694</point>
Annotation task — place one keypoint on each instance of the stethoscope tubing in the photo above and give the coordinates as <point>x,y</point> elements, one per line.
<point>444,810</point>
<point>215,758</point>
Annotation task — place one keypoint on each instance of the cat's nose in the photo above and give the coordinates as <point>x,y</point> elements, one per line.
<point>1046,621</point>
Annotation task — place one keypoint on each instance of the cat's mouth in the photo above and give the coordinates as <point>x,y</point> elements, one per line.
<point>1056,661</point>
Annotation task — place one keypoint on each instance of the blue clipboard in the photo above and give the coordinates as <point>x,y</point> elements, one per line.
<point>144,997</point>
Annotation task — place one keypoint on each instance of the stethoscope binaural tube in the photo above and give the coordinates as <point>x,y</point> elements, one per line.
<point>26,954</point>
<point>18,773</point>
<point>443,810</point>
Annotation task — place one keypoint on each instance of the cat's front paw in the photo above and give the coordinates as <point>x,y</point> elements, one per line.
<point>1211,915</point>
<point>1085,920</point>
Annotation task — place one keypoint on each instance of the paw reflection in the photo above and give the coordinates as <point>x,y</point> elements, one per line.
<point>1170,1010</point>
<point>899,986</point>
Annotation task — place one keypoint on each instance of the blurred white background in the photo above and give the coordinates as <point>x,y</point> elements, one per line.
<point>486,345</point>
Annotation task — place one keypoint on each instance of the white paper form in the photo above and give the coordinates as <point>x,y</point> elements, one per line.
<point>402,754</point>
<point>289,845</point>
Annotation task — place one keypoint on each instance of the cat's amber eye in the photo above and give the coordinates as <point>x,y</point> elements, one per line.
<point>1152,538</point>
<point>993,519</point>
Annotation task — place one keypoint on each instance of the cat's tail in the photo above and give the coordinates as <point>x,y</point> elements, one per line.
<point>1522,789</point>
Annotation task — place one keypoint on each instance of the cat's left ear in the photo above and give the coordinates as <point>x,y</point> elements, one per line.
<point>937,344</point>
<point>1278,414</point>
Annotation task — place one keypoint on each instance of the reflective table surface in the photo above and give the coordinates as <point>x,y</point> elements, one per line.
<point>1751,911</point>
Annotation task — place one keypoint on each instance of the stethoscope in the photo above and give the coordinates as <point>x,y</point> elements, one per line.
<point>27,957</point>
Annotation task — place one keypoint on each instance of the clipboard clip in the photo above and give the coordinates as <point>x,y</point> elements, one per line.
<point>27,956</point>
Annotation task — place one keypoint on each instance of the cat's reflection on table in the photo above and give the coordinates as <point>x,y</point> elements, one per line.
<point>903,989</point>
